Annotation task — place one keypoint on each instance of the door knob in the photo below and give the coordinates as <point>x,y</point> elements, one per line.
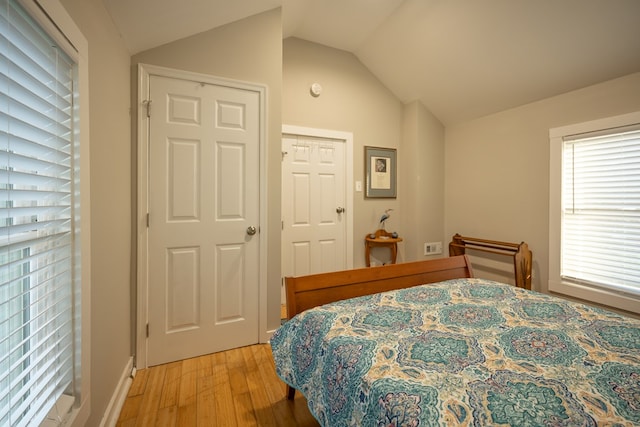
<point>251,230</point>
<point>339,210</point>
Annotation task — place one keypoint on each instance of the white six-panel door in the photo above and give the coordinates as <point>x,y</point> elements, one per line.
<point>203,237</point>
<point>314,205</point>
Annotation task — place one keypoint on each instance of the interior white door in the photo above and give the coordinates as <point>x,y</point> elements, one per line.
<point>314,225</point>
<point>203,218</point>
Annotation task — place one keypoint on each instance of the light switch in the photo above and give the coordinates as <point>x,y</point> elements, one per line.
<point>358,185</point>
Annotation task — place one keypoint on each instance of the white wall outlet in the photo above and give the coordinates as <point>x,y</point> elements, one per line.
<point>433,248</point>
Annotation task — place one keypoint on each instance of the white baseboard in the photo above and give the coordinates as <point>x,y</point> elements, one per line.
<point>111,414</point>
<point>266,337</point>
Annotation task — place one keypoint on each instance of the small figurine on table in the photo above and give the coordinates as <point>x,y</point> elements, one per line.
<point>385,216</point>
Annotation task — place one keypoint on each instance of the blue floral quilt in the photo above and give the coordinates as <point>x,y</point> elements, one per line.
<point>463,352</point>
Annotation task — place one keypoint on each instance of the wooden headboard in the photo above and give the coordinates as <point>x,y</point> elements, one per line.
<point>305,292</point>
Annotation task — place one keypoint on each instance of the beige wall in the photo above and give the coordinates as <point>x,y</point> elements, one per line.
<point>352,100</point>
<point>110,200</point>
<point>249,50</point>
<point>422,192</point>
<point>497,167</point>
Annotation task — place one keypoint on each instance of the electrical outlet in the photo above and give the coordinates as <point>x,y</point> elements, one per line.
<point>433,248</point>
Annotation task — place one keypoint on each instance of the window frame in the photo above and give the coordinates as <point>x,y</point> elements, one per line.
<point>57,22</point>
<point>595,294</point>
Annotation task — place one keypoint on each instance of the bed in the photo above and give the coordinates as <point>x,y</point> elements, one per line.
<point>425,343</point>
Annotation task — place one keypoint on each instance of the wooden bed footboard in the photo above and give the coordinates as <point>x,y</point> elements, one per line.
<point>305,292</point>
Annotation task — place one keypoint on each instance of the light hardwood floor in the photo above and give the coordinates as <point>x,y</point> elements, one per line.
<point>238,387</point>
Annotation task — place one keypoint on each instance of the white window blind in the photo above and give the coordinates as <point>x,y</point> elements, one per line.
<point>36,219</point>
<point>601,210</point>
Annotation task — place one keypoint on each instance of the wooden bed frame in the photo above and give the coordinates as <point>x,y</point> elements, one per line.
<point>306,292</point>
<point>520,252</point>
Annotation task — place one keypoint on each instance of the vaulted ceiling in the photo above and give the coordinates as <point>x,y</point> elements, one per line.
<point>461,58</point>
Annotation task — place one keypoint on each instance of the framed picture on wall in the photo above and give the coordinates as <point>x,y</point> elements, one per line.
<point>380,170</point>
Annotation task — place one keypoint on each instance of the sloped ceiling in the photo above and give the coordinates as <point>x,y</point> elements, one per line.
<point>462,59</point>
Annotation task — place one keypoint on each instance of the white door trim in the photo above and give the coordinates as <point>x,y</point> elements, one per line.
<point>348,138</point>
<point>142,309</point>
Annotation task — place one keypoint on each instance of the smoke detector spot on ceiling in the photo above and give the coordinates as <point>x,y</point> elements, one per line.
<point>316,90</point>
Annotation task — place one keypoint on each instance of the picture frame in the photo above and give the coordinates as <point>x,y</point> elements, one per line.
<point>380,172</point>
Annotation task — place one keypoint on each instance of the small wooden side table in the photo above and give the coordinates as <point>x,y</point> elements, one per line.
<point>384,239</point>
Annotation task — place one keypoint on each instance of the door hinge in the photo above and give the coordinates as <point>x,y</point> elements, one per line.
<point>147,104</point>
<point>148,220</point>
<point>147,330</point>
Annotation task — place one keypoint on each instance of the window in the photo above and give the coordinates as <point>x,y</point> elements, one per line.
<point>40,254</point>
<point>595,211</point>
